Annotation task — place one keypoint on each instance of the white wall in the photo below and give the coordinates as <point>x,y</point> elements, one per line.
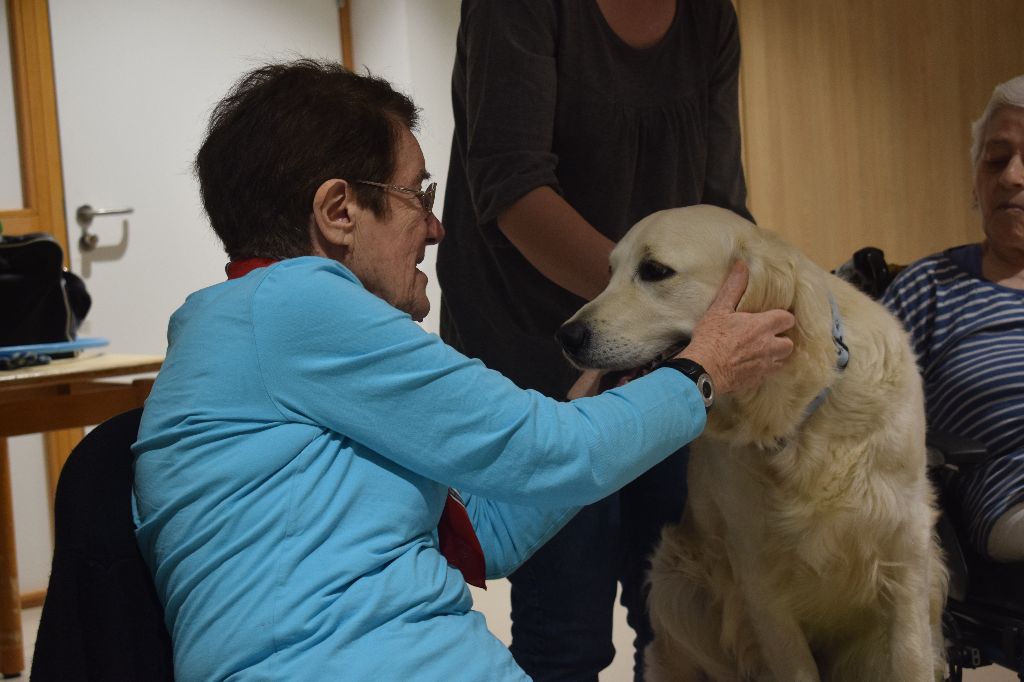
<point>412,44</point>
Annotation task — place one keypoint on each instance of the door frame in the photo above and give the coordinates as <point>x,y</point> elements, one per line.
<point>35,102</point>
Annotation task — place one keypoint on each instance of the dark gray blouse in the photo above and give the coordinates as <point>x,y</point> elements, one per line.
<point>545,93</point>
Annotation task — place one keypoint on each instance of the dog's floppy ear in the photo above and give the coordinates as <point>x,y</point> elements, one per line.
<point>773,279</point>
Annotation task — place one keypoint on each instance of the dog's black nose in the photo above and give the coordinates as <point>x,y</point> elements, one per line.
<point>573,336</point>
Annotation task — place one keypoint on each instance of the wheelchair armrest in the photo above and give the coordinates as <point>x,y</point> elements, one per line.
<point>947,448</point>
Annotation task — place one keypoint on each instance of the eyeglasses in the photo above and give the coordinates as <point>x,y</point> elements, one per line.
<point>425,196</point>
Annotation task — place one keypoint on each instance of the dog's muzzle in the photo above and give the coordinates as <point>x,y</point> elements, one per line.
<point>577,340</point>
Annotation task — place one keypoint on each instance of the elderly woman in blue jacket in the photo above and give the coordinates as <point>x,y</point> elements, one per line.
<point>299,454</point>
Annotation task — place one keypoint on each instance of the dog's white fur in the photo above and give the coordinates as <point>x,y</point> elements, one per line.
<point>806,551</point>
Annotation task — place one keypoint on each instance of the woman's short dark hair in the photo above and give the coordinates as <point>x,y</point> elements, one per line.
<point>280,132</point>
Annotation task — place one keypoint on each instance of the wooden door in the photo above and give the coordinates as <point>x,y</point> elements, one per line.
<point>36,113</point>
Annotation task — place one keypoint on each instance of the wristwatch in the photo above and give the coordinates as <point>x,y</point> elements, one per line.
<point>698,375</point>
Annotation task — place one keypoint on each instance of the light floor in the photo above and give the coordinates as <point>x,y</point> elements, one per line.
<point>621,669</point>
<point>29,625</point>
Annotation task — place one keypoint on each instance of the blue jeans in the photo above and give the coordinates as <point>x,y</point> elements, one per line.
<point>563,597</point>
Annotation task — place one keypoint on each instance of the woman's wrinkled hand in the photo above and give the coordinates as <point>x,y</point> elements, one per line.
<point>738,350</point>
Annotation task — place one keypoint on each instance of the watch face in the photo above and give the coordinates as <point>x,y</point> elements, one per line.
<point>707,389</point>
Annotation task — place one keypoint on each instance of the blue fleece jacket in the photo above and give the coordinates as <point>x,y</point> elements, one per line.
<point>293,462</point>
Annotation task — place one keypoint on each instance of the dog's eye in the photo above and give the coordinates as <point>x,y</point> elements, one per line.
<point>653,271</point>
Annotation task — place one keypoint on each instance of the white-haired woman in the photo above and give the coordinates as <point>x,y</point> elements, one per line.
<point>964,309</point>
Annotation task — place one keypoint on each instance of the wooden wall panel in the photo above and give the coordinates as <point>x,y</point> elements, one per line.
<point>856,117</point>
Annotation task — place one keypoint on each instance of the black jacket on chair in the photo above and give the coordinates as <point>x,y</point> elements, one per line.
<point>101,619</point>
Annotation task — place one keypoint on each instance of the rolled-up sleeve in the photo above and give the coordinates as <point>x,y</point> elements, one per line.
<point>511,87</point>
<point>724,181</point>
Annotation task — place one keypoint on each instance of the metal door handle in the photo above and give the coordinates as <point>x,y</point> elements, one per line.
<point>85,214</point>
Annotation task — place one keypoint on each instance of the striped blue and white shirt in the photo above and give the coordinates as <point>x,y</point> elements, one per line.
<point>968,333</point>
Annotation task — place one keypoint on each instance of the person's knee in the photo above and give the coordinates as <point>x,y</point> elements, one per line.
<point>1006,541</point>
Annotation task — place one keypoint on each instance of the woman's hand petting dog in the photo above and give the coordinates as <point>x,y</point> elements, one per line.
<point>738,350</point>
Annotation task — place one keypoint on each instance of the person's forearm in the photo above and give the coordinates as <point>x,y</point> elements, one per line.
<point>557,241</point>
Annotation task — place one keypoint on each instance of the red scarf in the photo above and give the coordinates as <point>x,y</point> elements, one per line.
<point>455,534</point>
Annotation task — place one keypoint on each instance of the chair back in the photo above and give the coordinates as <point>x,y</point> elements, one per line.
<point>101,619</point>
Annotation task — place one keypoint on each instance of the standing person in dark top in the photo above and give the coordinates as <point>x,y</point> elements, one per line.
<point>573,120</point>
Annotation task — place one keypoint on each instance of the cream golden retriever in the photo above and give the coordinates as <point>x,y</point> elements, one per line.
<point>806,551</point>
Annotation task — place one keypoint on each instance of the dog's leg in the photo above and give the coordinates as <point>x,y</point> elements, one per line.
<point>891,651</point>
<point>902,646</point>
<point>938,590</point>
<point>665,663</point>
<point>783,644</point>
<point>784,648</point>
<point>911,638</point>
<point>685,615</point>
<point>917,592</point>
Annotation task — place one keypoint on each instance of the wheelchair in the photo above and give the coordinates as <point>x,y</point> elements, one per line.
<point>983,621</point>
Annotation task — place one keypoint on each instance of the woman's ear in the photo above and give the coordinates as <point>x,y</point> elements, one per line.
<point>333,208</point>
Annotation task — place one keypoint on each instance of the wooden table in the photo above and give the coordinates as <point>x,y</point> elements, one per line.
<point>57,400</point>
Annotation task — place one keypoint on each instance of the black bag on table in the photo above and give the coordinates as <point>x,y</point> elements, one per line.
<point>40,301</point>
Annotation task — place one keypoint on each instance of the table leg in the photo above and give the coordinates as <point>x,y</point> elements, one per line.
<point>12,655</point>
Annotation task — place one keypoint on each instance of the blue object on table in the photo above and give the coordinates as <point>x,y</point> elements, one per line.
<point>53,348</point>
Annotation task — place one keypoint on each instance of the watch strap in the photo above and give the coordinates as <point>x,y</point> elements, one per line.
<point>698,375</point>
